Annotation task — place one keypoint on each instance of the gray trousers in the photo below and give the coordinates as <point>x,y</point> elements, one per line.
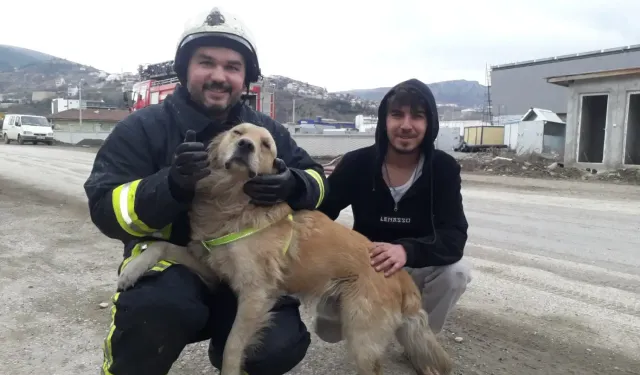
<point>441,288</point>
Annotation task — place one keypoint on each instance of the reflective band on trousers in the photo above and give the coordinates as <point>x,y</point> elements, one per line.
<point>107,347</point>
<point>123,199</point>
<point>316,176</point>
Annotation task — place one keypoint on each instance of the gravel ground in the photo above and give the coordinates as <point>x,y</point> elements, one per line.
<point>556,283</point>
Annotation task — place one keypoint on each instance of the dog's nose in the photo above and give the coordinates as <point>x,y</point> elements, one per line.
<point>245,145</point>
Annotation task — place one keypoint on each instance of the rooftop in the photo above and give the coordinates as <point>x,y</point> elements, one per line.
<point>573,56</point>
<point>566,80</point>
<point>540,114</point>
<point>107,115</point>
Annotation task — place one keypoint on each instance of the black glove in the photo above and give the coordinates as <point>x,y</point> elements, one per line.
<point>267,190</point>
<point>190,164</point>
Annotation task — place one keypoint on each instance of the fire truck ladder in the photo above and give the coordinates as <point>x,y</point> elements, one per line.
<point>165,81</point>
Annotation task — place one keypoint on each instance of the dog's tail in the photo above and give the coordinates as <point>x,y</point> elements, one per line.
<point>414,334</point>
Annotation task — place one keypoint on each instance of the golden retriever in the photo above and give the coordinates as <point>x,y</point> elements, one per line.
<point>303,253</point>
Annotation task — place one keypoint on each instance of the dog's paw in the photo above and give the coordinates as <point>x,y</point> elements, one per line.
<point>126,281</point>
<point>130,275</point>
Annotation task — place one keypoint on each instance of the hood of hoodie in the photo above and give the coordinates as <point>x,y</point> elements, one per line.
<point>433,123</point>
<point>433,126</point>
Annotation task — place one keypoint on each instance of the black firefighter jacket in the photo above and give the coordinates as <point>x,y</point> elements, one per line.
<point>429,221</point>
<point>128,191</point>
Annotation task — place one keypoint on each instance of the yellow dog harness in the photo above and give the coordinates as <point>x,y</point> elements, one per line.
<point>232,237</point>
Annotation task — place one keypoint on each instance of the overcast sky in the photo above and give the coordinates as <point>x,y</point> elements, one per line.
<point>337,44</point>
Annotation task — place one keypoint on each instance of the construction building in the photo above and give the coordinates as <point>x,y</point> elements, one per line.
<point>517,87</point>
<point>603,118</point>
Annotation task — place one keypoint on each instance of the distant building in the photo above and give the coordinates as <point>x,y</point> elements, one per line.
<point>366,123</point>
<point>63,104</point>
<point>327,122</point>
<point>96,124</point>
<point>38,96</point>
<point>516,87</point>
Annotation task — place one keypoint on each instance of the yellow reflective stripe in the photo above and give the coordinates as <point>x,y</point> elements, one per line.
<point>137,249</point>
<point>123,200</point>
<point>164,233</point>
<point>316,176</point>
<point>162,265</point>
<point>106,347</point>
<point>131,203</point>
<point>288,243</point>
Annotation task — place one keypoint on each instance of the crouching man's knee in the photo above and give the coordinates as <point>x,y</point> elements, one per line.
<point>441,289</point>
<point>455,277</point>
<point>282,346</point>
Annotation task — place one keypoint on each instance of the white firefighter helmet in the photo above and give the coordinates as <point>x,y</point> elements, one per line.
<point>217,28</point>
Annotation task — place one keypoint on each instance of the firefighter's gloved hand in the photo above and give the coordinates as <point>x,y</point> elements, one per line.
<point>190,164</point>
<point>267,190</point>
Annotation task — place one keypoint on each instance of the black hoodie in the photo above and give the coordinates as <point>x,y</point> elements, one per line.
<point>429,220</point>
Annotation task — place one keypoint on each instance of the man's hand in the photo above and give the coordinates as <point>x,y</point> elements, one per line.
<point>387,257</point>
<point>267,190</point>
<point>190,163</point>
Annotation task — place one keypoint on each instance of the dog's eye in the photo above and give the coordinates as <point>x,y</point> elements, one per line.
<point>265,144</point>
<point>238,132</point>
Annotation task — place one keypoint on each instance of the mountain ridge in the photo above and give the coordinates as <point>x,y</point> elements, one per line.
<point>23,71</point>
<point>14,57</point>
<point>461,92</point>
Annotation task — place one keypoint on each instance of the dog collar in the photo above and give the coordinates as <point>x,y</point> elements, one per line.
<point>232,237</point>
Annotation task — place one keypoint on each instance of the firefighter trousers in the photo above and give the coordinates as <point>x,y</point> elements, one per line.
<point>170,308</point>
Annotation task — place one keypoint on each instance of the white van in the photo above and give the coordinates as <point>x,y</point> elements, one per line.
<point>26,128</point>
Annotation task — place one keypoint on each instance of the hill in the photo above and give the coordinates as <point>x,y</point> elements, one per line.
<point>23,71</point>
<point>312,101</point>
<point>460,92</point>
<point>12,58</point>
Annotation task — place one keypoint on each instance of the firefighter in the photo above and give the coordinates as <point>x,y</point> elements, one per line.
<point>139,190</point>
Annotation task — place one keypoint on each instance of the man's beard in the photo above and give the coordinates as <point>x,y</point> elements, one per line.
<point>217,110</point>
<point>404,151</point>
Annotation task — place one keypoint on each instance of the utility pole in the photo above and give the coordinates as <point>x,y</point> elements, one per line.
<point>80,102</point>
<point>487,115</point>
<point>293,117</point>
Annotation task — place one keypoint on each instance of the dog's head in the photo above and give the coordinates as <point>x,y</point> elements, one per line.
<point>245,151</point>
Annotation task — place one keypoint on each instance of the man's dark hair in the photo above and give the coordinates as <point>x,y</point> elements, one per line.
<point>407,96</point>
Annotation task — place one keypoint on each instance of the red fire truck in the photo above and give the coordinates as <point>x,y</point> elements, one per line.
<point>159,80</point>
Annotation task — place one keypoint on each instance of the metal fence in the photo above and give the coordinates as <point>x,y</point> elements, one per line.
<point>317,145</point>
<point>330,145</point>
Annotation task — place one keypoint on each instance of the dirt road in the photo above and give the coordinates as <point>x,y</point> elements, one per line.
<point>555,290</point>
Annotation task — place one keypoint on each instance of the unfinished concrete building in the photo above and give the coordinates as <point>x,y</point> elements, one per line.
<point>603,118</point>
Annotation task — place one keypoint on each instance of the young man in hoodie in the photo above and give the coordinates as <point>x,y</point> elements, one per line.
<point>405,197</point>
